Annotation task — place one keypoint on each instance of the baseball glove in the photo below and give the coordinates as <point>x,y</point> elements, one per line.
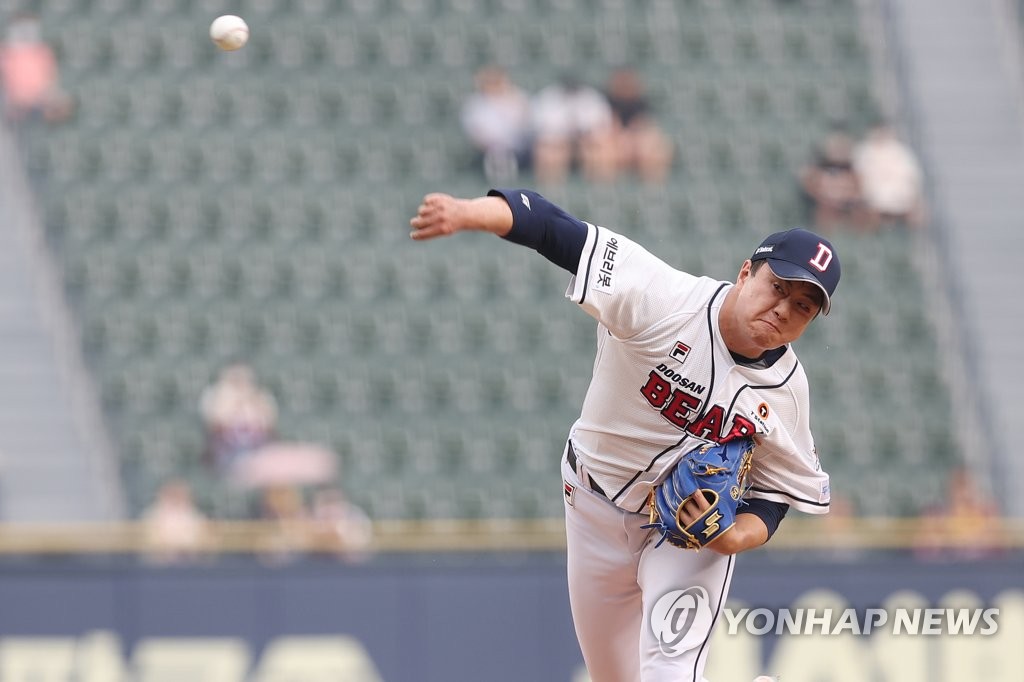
<point>718,472</point>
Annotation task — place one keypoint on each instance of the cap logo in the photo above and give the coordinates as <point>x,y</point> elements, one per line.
<point>822,258</point>
<point>765,249</point>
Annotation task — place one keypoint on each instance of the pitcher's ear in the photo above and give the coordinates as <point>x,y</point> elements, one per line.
<point>746,270</point>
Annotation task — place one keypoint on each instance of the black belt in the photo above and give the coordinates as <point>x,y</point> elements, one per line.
<point>571,457</point>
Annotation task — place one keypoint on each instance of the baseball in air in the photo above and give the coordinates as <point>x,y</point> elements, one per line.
<point>229,32</point>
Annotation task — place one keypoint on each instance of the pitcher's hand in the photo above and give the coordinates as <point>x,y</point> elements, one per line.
<point>441,215</point>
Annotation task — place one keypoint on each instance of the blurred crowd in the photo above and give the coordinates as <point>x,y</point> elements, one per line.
<point>566,127</point>
<point>294,487</point>
<point>865,184</point>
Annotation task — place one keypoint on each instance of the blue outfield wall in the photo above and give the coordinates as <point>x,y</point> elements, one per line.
<point>418,617</point>
<point>415,617</point>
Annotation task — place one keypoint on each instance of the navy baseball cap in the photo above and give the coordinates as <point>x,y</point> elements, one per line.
<point>799,254</point>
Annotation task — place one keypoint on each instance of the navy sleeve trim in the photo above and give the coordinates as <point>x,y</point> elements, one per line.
<point>770,512</point>
<point>586,277</point>
<point>544,227</point>
<point>769,491</point>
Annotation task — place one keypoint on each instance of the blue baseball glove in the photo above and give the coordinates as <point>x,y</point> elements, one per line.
<point>718,472</point>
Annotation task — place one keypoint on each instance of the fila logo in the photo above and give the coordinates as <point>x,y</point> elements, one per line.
<point>822,258</point>
<point>526,201</point>
<point>680,351</point>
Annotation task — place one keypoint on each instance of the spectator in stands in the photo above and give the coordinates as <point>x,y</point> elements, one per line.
<point>239,416</point>
<point>832,187</point>
<point>340,525</point>
<point>29,74</point>
<point>641,144</point>
<point>284,507</point>
<point>890,178</point>
<point>174,530</point>
<point>572,127</point>
<point>967,525</point>
<point>496,119</point>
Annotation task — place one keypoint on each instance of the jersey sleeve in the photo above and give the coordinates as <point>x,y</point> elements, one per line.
<point>786,465</point>
<point>625,287</point>
<point>544,227</point>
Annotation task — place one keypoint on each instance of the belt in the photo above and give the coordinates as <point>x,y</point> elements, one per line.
<point>571,457</point>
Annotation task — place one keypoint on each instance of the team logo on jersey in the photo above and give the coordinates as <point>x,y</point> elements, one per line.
<point>680,405</point>
<point>680,351</point>
<point>681,620</point>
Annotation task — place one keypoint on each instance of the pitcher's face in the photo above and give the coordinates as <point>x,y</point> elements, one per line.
<point>770,311</point>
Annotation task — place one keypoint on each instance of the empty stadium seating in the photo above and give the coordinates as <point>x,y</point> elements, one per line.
<point>209,207</point>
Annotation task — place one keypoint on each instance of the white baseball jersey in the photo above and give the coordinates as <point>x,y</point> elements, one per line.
<point>658,333</point>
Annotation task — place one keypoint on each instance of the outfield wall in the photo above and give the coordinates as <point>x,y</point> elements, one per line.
<point>494,617</point>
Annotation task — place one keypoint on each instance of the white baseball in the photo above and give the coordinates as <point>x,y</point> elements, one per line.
<point>229,32</point>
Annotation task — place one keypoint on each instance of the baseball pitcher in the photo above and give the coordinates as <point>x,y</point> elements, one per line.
<point>694,437</point>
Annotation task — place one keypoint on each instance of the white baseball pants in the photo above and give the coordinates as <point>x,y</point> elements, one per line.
<point>642,613</point>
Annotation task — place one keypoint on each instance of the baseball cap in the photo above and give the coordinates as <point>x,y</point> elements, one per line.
<point>799,254</point>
